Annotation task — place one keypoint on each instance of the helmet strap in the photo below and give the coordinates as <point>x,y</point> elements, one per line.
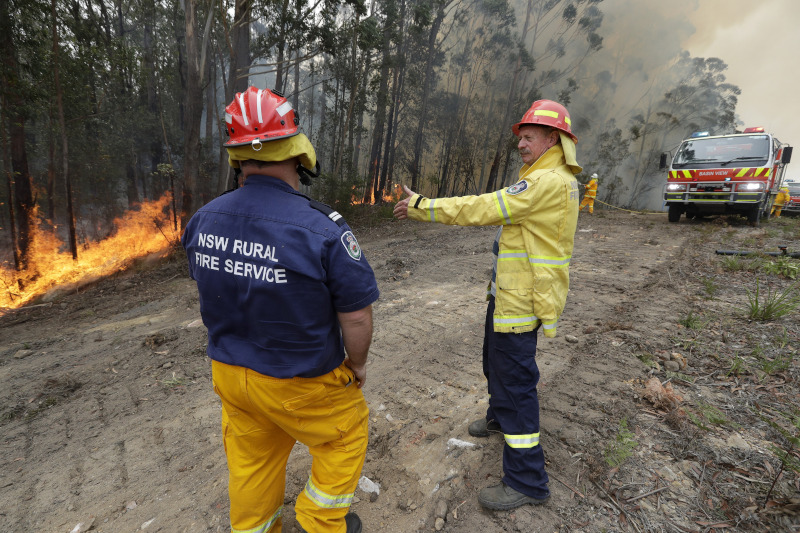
<point>306,174</point>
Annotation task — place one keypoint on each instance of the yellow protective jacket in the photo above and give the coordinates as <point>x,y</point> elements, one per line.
<point>782,198</point>
<point>591,189</point>
<point>538,215</point>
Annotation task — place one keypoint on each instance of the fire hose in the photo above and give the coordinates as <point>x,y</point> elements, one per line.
<point>783,252</point>
<point>613,206</point>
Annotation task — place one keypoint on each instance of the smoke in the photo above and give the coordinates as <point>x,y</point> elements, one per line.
<point>759,42</point>
<point>642,43</point>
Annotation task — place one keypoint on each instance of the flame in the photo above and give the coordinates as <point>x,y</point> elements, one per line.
<point>145,231</point>
<point>391,197</point>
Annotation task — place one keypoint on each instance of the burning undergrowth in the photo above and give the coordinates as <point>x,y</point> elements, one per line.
<point>142,232</point>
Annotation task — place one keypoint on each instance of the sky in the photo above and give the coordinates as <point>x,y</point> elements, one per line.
<point>760,42</point>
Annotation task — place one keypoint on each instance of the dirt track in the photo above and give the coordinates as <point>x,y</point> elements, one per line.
<point>108,418</point>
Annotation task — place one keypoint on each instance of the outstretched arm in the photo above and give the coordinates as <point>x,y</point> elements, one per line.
<point>401,208</point>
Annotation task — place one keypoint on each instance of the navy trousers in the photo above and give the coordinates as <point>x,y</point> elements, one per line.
<point>509,364</point>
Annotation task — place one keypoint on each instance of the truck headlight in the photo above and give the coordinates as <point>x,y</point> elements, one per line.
<point>753,186</point>
<point>676,187</point>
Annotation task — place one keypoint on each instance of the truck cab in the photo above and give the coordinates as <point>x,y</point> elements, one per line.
<point>738,173</point>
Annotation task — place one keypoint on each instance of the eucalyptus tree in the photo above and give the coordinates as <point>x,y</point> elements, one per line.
<point>429,15</point>
<point>392,13</point>
<point>557,36</point>
<point>485,34</point>
<point>23,37</point>
<point>700,99</point>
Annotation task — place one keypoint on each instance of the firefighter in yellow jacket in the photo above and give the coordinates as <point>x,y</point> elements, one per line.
<point>537,218</point>
<point>286,295</point>
<point>590,194</point>
<point>781,200</point>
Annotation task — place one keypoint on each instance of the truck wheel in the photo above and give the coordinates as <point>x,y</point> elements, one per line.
<point>754,215</point>
<point>674,213</point>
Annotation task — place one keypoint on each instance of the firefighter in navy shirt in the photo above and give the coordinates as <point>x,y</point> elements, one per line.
<point>286,294</point>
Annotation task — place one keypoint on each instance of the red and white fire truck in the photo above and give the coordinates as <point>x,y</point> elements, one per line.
<point>739,173</point>
<point>792,207</point>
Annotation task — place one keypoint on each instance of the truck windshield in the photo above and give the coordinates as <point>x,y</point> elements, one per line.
<point>715,151</point>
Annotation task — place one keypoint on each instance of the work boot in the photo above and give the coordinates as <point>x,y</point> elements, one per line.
<point>482,427</point>
<point>352,521</point>
<point>502,498</point>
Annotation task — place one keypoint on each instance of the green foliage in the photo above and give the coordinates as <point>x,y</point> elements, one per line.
<point>712,414</point>
<point>174,382</point>
<point>648,359</point>
<point>781,266</point>
<point>710,287</point>
<point>780,363</point>
<point>787,424</point>
<point>774,304</point>
<point>692,321</point>
<point>618,451</point>
<point>738,366</point>
<point>733,263</point>
<point>672,376</point>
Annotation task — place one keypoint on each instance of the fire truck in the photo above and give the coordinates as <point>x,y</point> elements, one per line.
<point>792,207</point>
<point>739,173</point>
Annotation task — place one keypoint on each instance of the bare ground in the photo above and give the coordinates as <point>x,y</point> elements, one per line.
<point>108,420</point>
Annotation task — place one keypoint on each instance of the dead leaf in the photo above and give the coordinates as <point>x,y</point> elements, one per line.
<point>661,396</point>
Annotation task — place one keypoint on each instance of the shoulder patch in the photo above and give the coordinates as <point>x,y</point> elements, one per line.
<point>517,188</point>
<point>351,245</point>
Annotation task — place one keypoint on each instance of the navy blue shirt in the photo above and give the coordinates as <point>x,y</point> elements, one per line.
<point>272,272</point>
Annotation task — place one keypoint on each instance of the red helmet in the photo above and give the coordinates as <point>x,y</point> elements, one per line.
<point>259,115</point>
<point>546,113</point>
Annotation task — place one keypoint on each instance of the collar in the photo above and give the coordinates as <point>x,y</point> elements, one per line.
<point>260,180</point>
<point>552,158</point>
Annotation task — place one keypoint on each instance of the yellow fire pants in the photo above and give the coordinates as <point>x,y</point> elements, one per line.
<point>587,200</point>
<point>263,417</point>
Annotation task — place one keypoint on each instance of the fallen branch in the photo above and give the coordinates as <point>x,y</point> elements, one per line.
<point>750,479</point>
<point>566,485</point>
<point>617,506</point>
<point>48,304</point>
<point>639,497</point>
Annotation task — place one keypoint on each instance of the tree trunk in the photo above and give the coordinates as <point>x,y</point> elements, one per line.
<point>73,243</point>
<point>180,39</point>
<point>280,66</point>
<point>240,58</point>
<point>195,72</point>
<point>491,183</point>
<point>427,85</point>
<point>296,93</point>
<point>156,153</point>
<point>51,167</point>
<point>12,223</point>
<point>21,181</point>
<point>377,131</point>
<point>346,127</point>
<point>194,107</point>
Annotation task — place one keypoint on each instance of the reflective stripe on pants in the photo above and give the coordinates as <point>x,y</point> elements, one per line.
<point>263,417</point>
<point>509,364</point>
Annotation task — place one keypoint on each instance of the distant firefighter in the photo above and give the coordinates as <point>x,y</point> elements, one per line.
<point>590,194</point>
<point>780,201</point>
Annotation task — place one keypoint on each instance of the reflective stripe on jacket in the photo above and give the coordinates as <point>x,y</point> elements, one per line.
<point>591,189</point>
<point>538,215</point>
